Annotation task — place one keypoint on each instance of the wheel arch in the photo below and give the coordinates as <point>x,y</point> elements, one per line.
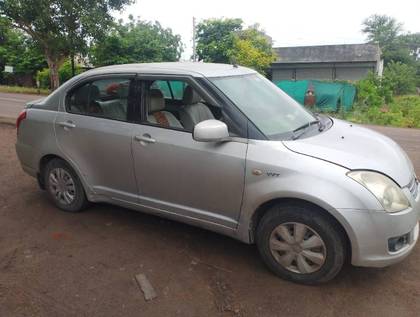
<point>41,166</point>
<point>47,158</point>
<point>264,207</point>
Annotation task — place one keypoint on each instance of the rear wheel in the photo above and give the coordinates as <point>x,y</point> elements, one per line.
<point>64,187</point>
<point>300,244</point>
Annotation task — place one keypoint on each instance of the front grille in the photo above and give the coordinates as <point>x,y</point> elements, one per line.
<point>413,187</point>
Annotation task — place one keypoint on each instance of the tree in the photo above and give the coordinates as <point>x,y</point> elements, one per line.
<point>396,47</point>
<point>386,32</point>
<point>215,39</point>
<point>61,27</point>
<point>400,78</point>
<point>225,41</point>
<point>20,51</point>
<point>135,42</point>
<point>253,48</point>
<point>411,41</point>
<point>381,29</point>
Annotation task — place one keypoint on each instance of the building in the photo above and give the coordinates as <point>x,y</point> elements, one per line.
<point>326,62</point>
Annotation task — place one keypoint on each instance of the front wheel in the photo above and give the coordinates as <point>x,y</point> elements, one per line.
<point>64,186</point>
<point>300,244</point>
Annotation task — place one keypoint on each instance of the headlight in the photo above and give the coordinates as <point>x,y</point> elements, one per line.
<point>383,188</point>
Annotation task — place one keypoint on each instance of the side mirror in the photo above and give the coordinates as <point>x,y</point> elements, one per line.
<point>211,131</point>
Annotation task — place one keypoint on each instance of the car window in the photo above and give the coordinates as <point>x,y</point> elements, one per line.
<point>178,88</point>
<point>181,114</point>
<point>163,86</point>
<point>107,98</point>
<point>171,89</point>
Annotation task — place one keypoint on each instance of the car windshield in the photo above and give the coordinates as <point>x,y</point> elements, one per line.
<point>273,112</point>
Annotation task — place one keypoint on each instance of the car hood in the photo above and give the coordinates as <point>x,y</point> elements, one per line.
<point>356,147</point>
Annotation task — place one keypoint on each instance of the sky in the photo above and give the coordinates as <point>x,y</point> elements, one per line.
<point>289,23</point>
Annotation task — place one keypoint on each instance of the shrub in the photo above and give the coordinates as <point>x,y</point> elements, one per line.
<point>400,78</point>
<point>410,108</point>
<point>403,111</point>
<point>64,73</point>
<point>43,78</point>
<point>369,92</point>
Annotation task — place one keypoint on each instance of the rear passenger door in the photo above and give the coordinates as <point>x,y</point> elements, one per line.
<point>94,132</point>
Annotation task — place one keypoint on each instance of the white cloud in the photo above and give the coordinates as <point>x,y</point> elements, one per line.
<point>304,22</point>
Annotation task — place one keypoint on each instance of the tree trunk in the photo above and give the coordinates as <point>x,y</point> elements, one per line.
<point>73,70</point>
<point>53,66</point>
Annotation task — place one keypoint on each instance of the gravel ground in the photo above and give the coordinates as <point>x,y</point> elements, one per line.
<point>58,264</point>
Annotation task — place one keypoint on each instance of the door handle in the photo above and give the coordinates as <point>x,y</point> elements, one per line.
<point>67,124</point>
<point>145,138</point>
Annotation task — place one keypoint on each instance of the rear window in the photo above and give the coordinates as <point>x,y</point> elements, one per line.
<point>107,98</point>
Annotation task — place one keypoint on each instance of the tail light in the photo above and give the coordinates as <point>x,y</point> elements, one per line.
<point>20,118</point>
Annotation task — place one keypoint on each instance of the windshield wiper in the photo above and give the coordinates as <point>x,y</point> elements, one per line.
<point>322,125</point>
<point>304,128</point>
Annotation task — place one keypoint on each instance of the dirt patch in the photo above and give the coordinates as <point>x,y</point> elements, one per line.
<point>59,264</point>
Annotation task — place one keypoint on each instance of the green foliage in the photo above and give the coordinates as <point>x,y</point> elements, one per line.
<point>253,48</point>
<point>395,46</point>
<point>374,91</point>
<point>400,78</point>
<point>410,108</point>
<point>64,73</point>
<point>215,39</point>
<point>23,90</point>
<point>225,41</point>
<point>403,111</point>
<point>136,42</point>
<point>369,92</point>
<point>43,78</point>
<point>385,30</point>
<point>381,29</point>
<point>376,103</point>
<point>61,27</point>
<point>18,50</point>
<point>411,43</point>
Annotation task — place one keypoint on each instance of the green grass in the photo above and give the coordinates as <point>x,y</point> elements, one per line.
<point>24,90</point>
<point>403,111</point>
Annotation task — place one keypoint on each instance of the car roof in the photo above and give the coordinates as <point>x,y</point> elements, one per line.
<point>196,69</point>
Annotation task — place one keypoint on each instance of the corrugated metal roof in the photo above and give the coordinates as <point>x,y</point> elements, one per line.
<point>328,53</point>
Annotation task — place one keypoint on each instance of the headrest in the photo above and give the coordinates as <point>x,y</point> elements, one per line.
<point>190,96</point>
<point>157,102</point>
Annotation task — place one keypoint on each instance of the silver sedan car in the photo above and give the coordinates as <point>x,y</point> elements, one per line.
<point>220,147</point>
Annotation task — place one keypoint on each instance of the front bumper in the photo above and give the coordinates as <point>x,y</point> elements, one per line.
<point>369,232</point>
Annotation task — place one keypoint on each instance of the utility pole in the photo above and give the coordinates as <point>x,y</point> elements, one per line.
<point>194,57</point>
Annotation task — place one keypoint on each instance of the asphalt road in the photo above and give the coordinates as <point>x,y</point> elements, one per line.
<point>60,264</point>
<point>12,104</point>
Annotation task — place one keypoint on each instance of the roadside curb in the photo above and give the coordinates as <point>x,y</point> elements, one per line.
<point>8,120</point>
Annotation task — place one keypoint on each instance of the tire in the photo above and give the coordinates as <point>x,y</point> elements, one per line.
<point>317,258</point>
<point>64,187</point>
